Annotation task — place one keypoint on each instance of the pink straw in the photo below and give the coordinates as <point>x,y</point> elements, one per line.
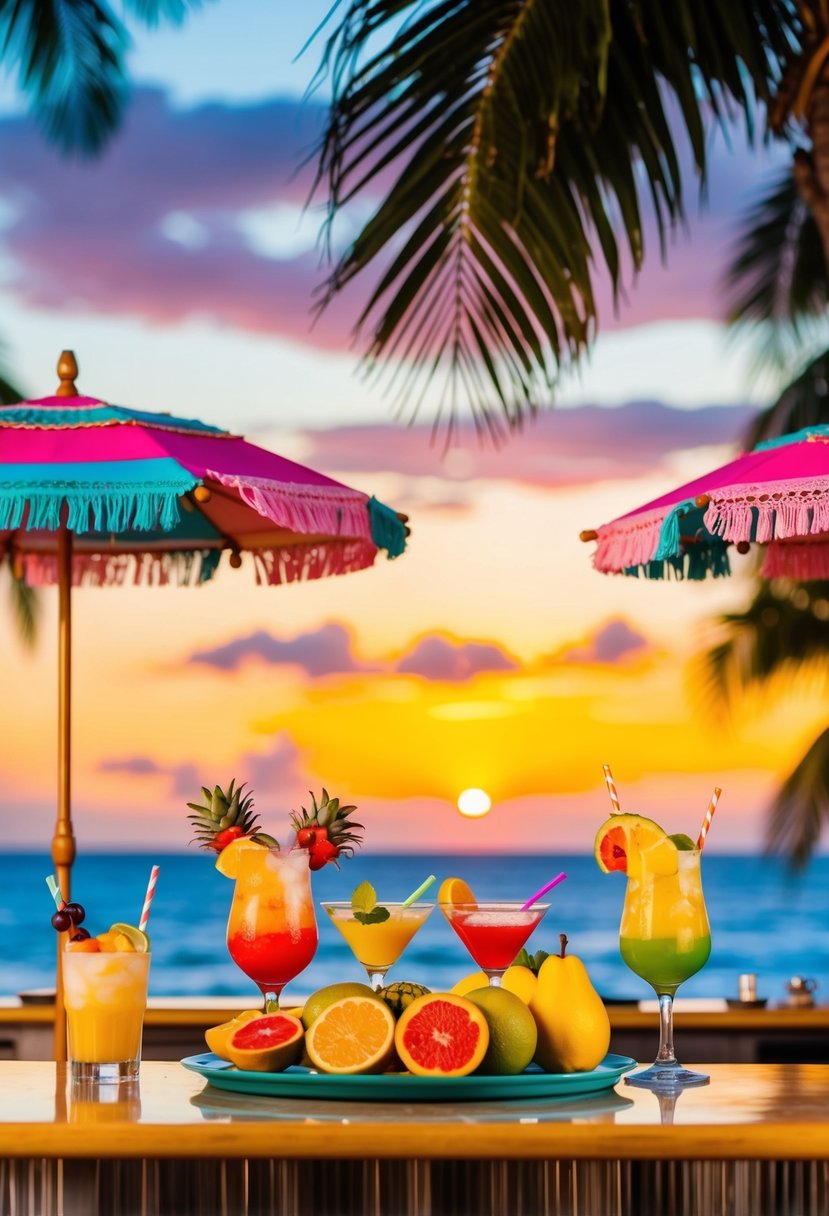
<point>548,886</point>
<point>148,899</point>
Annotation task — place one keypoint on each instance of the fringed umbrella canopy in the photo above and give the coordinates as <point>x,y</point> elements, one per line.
<point>776,496</point>
<point>97,493</point>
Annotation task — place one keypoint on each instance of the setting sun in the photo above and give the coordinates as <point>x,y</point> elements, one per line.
<point>474,803</point>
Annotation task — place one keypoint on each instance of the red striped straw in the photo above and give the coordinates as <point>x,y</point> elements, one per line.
<point>611,789</point>
<point>148,899</point>
<point>709,815</point>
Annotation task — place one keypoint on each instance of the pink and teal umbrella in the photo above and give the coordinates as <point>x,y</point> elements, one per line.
<point>101,494</point>
<point>776,496</point>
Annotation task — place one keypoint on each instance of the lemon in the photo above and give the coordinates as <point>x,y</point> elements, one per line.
<point>227,862</point>
<point>513,1035</point>
<point>455,891</point>
<point>319,1001</point>
<point>516,979</point>
<point>137,938</point>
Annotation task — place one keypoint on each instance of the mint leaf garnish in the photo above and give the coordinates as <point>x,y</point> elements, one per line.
<point>375,917</point>
<point>364,905</point>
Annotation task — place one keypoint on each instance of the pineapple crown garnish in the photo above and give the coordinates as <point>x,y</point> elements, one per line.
<point>327,814</point>
<point>226,811</point>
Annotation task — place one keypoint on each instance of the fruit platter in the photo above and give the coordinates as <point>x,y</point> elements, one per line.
<point>522,1026</point>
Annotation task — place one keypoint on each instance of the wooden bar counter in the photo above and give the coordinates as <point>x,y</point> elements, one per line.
<point>755,1141</point>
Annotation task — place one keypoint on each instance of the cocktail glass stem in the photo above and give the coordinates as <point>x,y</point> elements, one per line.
<point>665,1055</point>
<point>494,977</point>
<point>272,1001</point>
<point>376,978</point>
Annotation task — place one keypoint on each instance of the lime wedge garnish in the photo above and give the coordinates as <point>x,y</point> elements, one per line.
<point>137,936</point>
<point>684,843</point>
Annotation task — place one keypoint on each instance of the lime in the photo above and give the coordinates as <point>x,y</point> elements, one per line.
<point>513,1035</point>
<point>137,937</point>
<point>684,843</point>
<point>319,1001</point>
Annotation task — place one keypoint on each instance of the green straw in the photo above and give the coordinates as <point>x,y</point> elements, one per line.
<point>415,895</point>
<point>54,891</point>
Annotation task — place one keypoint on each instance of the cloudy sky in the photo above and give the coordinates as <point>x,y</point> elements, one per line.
<point>181,267</point>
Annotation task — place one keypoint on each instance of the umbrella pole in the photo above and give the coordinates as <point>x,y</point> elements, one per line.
<point>63,841</point>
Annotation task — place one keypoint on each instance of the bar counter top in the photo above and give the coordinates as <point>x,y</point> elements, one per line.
<point>757,1112</point>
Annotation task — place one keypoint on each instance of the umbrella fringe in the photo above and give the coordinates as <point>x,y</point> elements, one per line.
<point>387,530</point>
<point>184,568</point>
<point>325,510</point>
<point>89,508</point>
<point>302,562</point>
<point>693,564</point>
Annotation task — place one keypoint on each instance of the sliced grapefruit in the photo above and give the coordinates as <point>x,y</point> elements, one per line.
<point>455,891</point>
<point>218,1037</point>
<point>622,840</point>
<point>441,1035</point>
<point>354,1035</point>
<point>268,1043</point>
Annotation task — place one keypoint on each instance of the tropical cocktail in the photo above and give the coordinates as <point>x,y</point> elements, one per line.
<point>664,934</point>
<point>377,940</point>
<point>271,931</point>
<point>105,995</point>
<point>493,932</point>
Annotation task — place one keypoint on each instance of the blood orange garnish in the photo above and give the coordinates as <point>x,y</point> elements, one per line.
<point>441,1035</point>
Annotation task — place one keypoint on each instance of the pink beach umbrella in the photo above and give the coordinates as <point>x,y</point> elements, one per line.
<point>99,494</point>
<point>776,496</point>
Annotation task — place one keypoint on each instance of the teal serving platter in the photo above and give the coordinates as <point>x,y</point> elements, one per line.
<point>304,1083</point>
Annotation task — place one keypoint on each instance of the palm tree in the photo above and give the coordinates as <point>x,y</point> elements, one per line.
<point>780,288</point>
<point>521,138</point>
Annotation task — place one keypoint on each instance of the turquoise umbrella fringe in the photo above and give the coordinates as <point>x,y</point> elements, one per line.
<point>387,531</point>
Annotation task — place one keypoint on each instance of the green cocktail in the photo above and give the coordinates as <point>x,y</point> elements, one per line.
<point>664,935</point>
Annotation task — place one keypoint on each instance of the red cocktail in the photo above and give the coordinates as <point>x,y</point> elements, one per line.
<point>493,933</point>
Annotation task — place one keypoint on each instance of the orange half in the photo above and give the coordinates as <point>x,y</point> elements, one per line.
<point>354,1035</point>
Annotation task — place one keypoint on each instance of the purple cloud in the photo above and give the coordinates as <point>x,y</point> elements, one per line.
<point>97,236</point>
<point>321,652</point>
<point>611,643</point>
<point>185,780</point>
<point>439,658</point>
<point>580,446</point>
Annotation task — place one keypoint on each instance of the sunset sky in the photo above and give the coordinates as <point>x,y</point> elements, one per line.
<point>180,267</point>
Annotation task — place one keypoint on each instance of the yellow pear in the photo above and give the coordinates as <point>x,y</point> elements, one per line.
<point>573,1026</point>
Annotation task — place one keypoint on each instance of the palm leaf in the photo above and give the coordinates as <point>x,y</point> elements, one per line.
<point>530,137</point>
<point>25,608</point>
<point>804,402</point>
<point>783,629</point>
<point>777,281</point>
<point>800,809</point>
<point>70,57</point>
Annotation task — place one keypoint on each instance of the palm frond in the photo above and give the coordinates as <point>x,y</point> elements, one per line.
<point>70,57</point>
<point>24,604</point>
<point>800,810</point>
<point>804,402</point>
<point>784,628</point>
<point>153,12</point>
<point>777,281</point>
<point>526,140</point>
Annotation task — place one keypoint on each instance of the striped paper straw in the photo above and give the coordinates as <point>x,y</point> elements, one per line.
<point>611,789</point>
<point>148,899</point>
<point>709,815</point>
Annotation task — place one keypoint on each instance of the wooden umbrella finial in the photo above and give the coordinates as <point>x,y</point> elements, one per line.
<point>67,371</point>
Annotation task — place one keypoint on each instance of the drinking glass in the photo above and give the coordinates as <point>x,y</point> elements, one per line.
<point>493,933</point>
<point>665,938</point>
<point>272,931</point>
<point>377,945</point>
<point>105,995</point>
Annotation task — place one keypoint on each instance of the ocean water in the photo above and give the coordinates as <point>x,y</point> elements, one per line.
<point>763,919</point>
